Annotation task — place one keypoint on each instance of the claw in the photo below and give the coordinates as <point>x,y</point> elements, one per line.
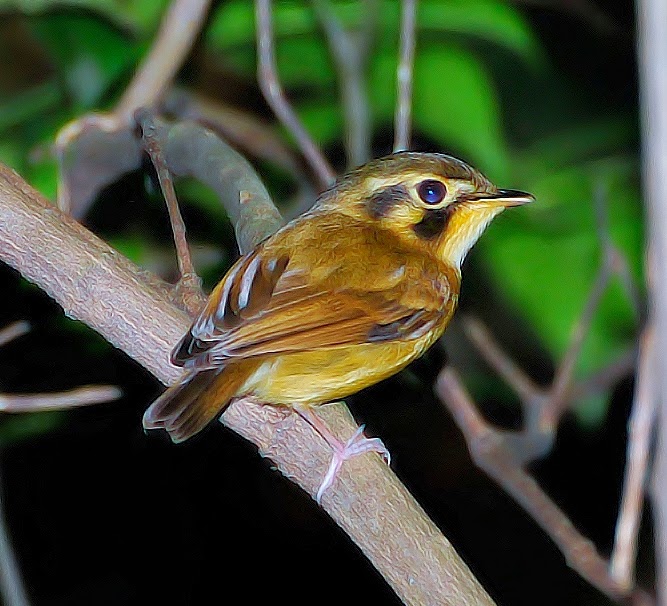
<point>357,445</point>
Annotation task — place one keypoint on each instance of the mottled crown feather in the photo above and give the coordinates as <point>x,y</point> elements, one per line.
<point>411,162</point>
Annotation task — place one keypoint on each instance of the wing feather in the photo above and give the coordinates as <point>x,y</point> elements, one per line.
<point>265,305</point>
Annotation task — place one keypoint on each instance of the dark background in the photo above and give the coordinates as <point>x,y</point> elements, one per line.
<point>101,513</point>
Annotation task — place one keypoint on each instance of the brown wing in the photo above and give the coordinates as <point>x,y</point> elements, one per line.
<point>266,306</point>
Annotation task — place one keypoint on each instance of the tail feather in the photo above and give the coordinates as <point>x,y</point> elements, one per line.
<point>186,408</point>
<point>176,398</point>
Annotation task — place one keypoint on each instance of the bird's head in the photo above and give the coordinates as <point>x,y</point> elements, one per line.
<point>428,200</point>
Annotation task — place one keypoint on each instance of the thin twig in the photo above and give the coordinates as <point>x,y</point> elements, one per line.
<point>178,32</point>
<point>189,282</point>
<point>96,149</point>
<point>507,368</point>
<point>628,281</point>
<point>613,257</point>
<point>613,262</point>
<point>12,586</point>
<point>565,371</point>
<point>63,400</point>
<point>641,423</point>
<point>146,121</point>
<point>490,453</point>
<point>13,331</point>
<point>404,76</point>
<point>350,63</point>
<point>368,30</point>
<point>604,378</point>
<point>267,74</point>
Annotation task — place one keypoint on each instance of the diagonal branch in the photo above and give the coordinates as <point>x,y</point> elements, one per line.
<point>189,283</point>
<point>103,289</point>
<point>350,63</point>
<point>178,32</point>
<point>641,423</point>
<point>267,73</point>
<point>490,452</point>
<point>13,331</point>
<point>96,149</point>
<point>72,398</point>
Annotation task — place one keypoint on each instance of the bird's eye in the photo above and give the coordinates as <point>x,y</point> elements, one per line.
<point>432,191</point>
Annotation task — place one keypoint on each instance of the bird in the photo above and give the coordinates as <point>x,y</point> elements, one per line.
<point>340,298</point>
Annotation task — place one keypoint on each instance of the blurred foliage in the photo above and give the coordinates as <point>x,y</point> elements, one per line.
<point>479,66</point>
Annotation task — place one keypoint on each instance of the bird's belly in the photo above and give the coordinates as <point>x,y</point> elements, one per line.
<point>315,377</point>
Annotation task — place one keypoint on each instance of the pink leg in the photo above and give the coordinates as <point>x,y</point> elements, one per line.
<point>358,444</point>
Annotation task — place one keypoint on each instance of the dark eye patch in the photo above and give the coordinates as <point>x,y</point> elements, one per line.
<point>381,202</point>
<point>432,191</point>
<point>433,223</point>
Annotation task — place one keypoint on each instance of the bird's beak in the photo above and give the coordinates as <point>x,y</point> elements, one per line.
<point>507,197</point>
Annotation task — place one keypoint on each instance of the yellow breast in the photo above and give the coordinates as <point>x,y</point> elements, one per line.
<point>317,377</point>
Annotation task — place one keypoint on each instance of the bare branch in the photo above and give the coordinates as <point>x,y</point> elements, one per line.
<point>189,282</point>
<point>275,95</point>
<point>178,32</point>
<point>639,439</point>
<point>488,449</point>
<point>403,117</point>
<point>94,150</point>
<point>74,398</point>
<point>507,368</point>
<point>13,331</point>
<point>100,287</point>
<point>350,63</point>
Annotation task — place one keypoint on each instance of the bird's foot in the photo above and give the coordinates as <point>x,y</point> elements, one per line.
<point>357,445</point>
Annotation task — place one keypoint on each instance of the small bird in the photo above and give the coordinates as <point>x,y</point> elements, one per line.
<point>338,299</point>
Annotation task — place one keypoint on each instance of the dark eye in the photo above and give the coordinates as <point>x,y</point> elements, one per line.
<point>431,191</point>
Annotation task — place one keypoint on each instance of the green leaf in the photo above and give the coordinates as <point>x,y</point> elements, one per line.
<point>28,104</point>
<point>134,14</point>
<point>492,20</point>
<point>454,104</point>
<point>547,256</point>
<point>89,53</point>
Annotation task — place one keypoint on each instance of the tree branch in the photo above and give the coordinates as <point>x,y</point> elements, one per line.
<point>652,34</point>
<point>133,310</point>
<point>641,424</point>
<point>96,149</point>
<point>267,74</point>
<point>178,32</point>
<point>489,450</point>
<point>406,63</point>
<point>350,64</point>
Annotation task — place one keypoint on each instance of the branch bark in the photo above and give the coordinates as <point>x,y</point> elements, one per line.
<point>652,34</point>
<point>134,311</point>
